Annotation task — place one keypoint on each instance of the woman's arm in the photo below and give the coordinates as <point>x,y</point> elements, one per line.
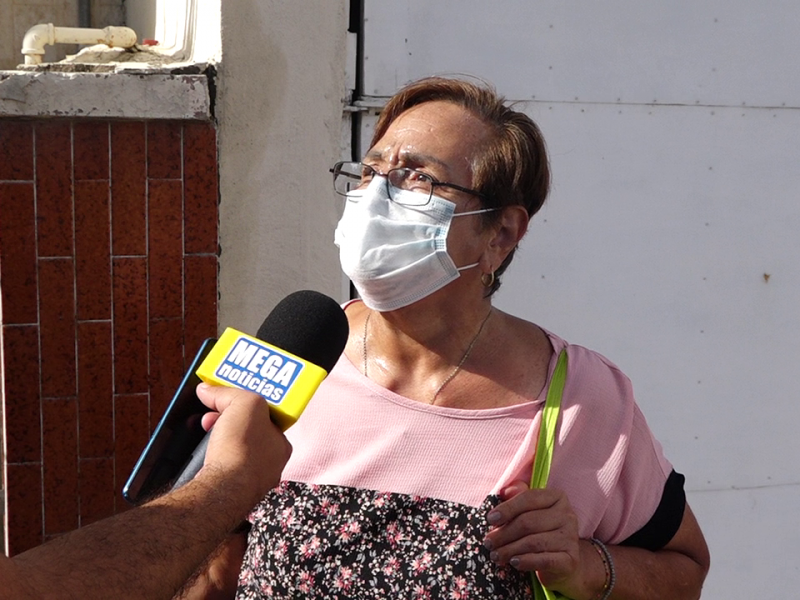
<point>676,571</point>
<point>536,530</point>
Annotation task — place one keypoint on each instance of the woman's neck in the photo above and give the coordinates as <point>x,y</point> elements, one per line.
<point>441,328</point>
<point>417,351</point>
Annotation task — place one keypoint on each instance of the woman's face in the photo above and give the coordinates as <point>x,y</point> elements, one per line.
<point>441,139</point>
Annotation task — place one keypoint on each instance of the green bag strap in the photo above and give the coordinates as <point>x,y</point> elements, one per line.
<point>547,429</point>
<point>544,452</point>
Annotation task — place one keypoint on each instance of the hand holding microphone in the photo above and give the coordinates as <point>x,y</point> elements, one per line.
<point>299,342</point>
<point>245,447</point>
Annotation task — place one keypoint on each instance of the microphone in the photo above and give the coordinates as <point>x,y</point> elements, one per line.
<point>295,348</point>
<point>298,343</point>
<point>293,351</point>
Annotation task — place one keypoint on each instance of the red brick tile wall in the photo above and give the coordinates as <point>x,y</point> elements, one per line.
<point>108,280</point>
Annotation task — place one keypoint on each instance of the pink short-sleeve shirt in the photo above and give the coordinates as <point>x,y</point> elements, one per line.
<point>356,433</point>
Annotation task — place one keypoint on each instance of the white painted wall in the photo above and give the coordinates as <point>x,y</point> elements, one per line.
<point>281,94</point>
<point>187,30</point>
<point>670,242</point>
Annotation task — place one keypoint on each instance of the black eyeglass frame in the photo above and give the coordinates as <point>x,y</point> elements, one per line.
<point>336,170</point>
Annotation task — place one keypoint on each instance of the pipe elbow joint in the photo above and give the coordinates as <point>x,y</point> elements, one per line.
<point>36,38</point>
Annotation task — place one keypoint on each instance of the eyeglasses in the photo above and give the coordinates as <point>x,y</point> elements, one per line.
<point>351,176</point>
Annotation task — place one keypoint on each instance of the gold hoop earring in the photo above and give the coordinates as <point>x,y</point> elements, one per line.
<point>487,279</point>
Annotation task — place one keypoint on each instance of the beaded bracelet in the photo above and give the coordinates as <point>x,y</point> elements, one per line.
<point>608,565</point>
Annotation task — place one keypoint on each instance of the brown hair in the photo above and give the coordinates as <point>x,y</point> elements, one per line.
<point>511,168</point>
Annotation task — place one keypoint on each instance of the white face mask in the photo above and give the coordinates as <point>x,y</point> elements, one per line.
<point>395,254</point>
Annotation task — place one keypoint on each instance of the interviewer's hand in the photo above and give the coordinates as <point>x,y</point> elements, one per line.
<point>537,530</point>
<point>245,445</point>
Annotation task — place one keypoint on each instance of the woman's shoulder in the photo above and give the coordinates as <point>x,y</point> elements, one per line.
<point>593,381</point>
<point>584,359</point>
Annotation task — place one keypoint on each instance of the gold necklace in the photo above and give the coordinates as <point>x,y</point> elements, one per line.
<point>452,374</point>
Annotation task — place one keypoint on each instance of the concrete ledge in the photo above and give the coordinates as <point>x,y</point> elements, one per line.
<point>105,95</point>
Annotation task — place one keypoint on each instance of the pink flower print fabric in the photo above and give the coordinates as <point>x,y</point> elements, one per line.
<point>325,541</point>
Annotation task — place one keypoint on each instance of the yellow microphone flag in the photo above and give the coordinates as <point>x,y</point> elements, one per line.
<point>287,382</point>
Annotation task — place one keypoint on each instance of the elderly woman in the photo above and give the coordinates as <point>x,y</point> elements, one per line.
<point>408,478</point>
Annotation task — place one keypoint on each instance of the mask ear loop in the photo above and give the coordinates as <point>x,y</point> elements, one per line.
<point>475,212</point>
<point>483,277</point>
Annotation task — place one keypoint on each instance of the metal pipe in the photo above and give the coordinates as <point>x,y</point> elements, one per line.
<point>38,36</point>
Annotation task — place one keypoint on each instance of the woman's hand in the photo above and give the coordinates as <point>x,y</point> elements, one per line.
<point>537,530</point>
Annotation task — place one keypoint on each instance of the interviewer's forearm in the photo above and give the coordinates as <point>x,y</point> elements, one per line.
<point>147,552</point>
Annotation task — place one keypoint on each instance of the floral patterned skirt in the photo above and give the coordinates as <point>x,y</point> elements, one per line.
<point>325,541</point>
